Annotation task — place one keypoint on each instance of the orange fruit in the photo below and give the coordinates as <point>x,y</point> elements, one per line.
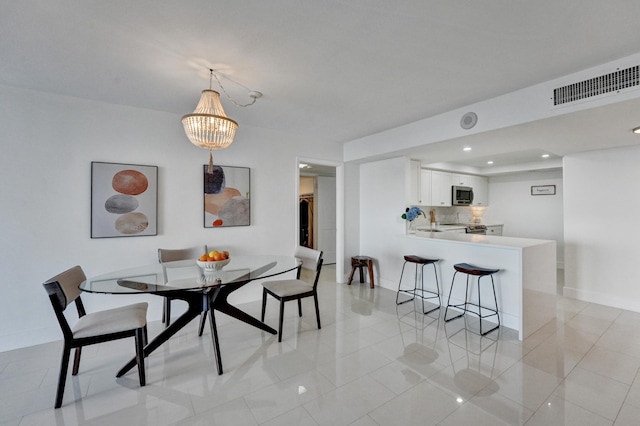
<point>204,257</point>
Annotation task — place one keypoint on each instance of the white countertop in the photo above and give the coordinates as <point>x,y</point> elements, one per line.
<point>490,240</point>
<point>449,227</point>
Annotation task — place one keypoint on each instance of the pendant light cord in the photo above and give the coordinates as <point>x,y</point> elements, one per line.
<point>254,95</point>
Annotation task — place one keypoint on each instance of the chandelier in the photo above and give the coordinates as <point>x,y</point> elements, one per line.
<point>208,127</point>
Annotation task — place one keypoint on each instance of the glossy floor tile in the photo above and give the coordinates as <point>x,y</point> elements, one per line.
<point>372,363</point>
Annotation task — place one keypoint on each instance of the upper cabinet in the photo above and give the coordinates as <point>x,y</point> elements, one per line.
<point>441,183</point>
<point>460,180</point>
<point>412,185</point>
<point>480,185</point>
<point>425,187</point>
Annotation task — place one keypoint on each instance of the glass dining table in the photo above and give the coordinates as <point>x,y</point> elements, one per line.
<point>203,290</point>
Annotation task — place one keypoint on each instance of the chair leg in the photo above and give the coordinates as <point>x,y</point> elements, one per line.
<point>280,320</point>
<point>62,378</point>
<point>203,321</point>
<point>264,303</point>
<point>403,291</point>
<point>146,335</point>
<point>315,299</point>
<point>446,310</point>
<point>167,311</point>
<point>300,308</point>
<point>353,269</point>
<point>76,361</point>
<point>370,268</point>
<point>139,338</point>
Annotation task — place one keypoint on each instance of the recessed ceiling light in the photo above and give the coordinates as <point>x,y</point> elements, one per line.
<point>304,166</point>
<point>636,130</point>
<point>467,148</point>
<point>545,155</point>
<point>489,162</point>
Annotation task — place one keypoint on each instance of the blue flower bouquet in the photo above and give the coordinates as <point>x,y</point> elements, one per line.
<point>411,213</point>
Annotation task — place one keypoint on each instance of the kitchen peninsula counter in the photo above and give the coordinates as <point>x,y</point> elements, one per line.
<point>525,286</point>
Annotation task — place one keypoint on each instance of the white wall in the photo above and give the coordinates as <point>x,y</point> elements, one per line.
<point>48,143</point>
<point>326,217</point>
<point>601,206</point>
<point>352,215</point>
<point>524,215</point>
<point>382,202</point>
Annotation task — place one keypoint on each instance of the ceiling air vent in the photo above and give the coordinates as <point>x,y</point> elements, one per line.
<point>607,83</point>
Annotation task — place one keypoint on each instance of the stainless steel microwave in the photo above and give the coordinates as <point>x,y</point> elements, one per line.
<point>461,195</point>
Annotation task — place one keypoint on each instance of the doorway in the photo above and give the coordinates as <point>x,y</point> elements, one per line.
<point>319,216</point>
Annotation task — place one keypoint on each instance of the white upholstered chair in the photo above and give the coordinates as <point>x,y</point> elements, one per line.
<point>295,289</point>
<point>96,327</point>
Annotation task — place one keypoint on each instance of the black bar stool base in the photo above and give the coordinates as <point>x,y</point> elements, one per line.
<point>419,291</point>
<point>476,308</point>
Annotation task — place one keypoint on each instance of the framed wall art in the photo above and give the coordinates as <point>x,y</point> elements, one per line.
<point>543,190</point>
<point>124,200</point>
<point>226,196</point>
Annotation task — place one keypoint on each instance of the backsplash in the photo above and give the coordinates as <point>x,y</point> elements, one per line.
<point>450,215</point>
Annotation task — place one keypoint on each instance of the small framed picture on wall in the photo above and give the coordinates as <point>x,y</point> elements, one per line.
<point>543,190</point>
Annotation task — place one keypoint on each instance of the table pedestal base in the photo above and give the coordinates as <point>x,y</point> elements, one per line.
<point>213,299</point>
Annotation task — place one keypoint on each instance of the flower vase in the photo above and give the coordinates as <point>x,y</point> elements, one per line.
<point>411,227</point>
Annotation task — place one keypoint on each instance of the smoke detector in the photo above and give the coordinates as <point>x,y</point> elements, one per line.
<point>468,120</point>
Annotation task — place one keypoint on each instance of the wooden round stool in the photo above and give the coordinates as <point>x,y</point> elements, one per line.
<point>360,262</point>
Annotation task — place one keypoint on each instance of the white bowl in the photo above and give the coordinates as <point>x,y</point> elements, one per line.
<point>215,265</point>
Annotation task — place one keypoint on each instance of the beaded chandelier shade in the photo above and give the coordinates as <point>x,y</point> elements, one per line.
<point>209,127</point>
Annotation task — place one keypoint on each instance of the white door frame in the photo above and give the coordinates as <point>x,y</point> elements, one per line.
<point>339,209</point>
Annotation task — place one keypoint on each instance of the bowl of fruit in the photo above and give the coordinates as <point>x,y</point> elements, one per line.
<point>214,260</point>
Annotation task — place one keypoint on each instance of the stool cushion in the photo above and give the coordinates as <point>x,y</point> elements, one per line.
<point>417,259</point>
<point>474,270</point>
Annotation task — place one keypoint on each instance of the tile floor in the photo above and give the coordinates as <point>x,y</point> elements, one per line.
<point>371,364</point>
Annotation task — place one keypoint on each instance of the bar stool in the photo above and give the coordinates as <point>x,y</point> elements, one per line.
<point>471,270</point>
<point>359,262</point>
<point>420,292</point>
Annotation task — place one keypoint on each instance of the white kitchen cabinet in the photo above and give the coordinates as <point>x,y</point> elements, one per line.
<point>461,180</point>
<point>441,183</point>
<point>480,185</point>
<point>412,185</point>
<point>495,230</point>
<point>425,187</point>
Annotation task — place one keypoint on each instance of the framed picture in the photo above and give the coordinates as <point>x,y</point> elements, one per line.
<point>226,196</point>
<point>543,190</point>
<point>124,200</point>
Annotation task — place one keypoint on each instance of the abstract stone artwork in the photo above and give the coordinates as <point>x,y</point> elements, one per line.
<point>226,196</point>
<point>123,200</point>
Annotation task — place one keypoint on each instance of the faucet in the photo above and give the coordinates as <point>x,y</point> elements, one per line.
<point>432,218</point>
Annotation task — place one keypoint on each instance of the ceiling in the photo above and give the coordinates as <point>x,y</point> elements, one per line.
<point>336,69</point>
